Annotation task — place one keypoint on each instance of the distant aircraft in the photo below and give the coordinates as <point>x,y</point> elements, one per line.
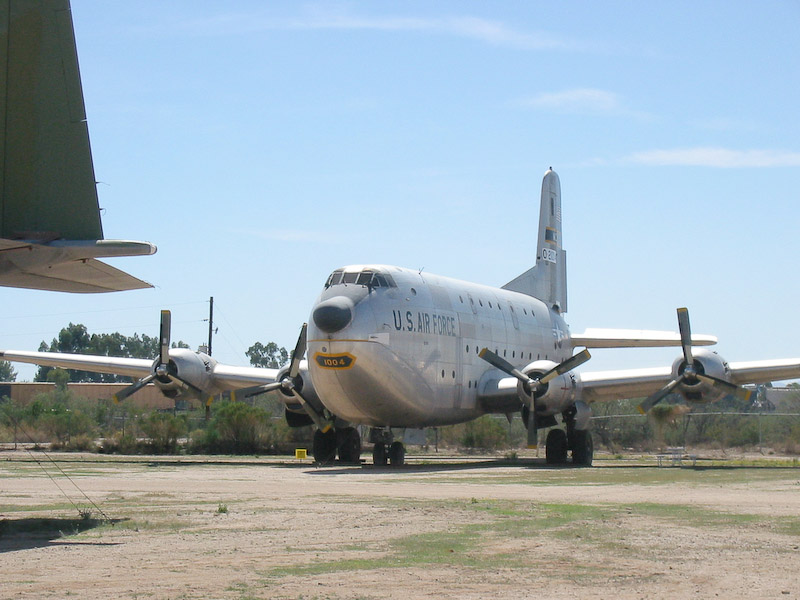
<point>399,350</point>
<point>50,230</point>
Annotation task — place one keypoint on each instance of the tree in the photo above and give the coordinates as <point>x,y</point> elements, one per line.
<point>75,339</point>
<point>269,356</point>
<point>7,372</point>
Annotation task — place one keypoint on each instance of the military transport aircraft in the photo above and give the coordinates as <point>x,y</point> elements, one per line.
<point>50,230</point>
<point>399,350</point>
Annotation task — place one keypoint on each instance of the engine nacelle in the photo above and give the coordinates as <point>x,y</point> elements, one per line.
<point>296,415</point>
<point>708,363</point>
<point>553,397</point>
<point>193,367</point>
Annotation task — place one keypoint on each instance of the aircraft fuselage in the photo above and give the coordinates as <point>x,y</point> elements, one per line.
<point>395,347</point>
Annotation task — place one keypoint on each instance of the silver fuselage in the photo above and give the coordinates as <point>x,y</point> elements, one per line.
<point>409,354</point>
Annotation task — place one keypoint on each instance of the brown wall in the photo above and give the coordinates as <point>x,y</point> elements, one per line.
<point>148,397</point>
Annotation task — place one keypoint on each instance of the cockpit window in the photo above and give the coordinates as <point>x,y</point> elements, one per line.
<point>366,278</point>
<point>334,279</point>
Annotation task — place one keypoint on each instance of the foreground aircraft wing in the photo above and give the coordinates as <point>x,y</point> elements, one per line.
<point>634,338</point>
<point>50,229</point>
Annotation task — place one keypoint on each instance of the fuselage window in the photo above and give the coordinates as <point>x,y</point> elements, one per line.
<point>462,300</point>
<point>490,305</point>
<point>480,302</point>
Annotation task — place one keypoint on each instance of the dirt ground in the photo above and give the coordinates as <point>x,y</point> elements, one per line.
<point>437,528</point>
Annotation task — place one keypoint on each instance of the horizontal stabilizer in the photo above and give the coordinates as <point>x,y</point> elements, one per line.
<point>634,338</point>
<point>69,266</point>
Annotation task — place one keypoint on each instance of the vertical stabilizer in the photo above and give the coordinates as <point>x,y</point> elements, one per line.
<point>47,178</point>
<point>547,280</point>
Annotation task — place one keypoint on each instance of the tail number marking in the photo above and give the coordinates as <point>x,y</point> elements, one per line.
<point>549,255</point>
<point>335,361</point>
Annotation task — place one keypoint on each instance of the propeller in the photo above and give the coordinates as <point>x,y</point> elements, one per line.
<point>531,384</point>
<point>161,370</point>
<point>691,374</point>
<point>292,383</point>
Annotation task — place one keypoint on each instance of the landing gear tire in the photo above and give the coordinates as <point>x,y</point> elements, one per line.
<point>556,447</point>
<point>379,456</point>
<point>348,442</point>
<point>397,454</point>
<point>324,446</point>
<point>582,448</point>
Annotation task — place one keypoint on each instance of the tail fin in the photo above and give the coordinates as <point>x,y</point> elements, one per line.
<point>547,280</point>
<point>50,228</point>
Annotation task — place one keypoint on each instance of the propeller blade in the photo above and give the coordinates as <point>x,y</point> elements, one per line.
<point>184,385</point>
<point>164,336</point>
<point>569,364</point>
<point>505,366</point>
<point>132,389</point>
<point>259,389</point>
<point>731,388</point>
<point>299,351</point>
<point>686,335</point>
<point>651,401</point>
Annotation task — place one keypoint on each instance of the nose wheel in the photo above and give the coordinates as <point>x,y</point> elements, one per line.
<point>345,441</point>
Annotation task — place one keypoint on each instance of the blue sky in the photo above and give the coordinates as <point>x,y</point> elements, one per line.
<point>261,145</point>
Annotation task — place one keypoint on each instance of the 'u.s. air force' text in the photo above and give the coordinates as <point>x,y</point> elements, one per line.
<point>424,322</point>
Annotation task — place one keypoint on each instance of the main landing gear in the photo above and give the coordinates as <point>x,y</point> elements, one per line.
<point>559,442</point>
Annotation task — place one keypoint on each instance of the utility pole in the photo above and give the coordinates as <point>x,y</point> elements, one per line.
<point>210,322</point>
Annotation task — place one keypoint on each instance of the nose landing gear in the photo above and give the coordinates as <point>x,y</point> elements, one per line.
<point>344,441</point>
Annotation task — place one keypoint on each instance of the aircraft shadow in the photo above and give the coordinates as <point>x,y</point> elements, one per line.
<point>434,467</point>
<point>36,532</point>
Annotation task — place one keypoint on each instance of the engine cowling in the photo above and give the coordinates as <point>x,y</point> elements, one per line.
<point>296,415</point>
<point>192,367</point>
<point>708,363</point>
<point>553,397</point>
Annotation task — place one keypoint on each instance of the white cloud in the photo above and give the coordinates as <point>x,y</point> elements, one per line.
<point>581,100</point>
<point>484,30</point>
<point>716,157</point>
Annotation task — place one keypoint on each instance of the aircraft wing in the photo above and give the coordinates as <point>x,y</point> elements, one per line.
<point>221,376</point>
<point>232,377</point>
<point>131,367</point>
<point>634,338</point>
<point>500,395</point>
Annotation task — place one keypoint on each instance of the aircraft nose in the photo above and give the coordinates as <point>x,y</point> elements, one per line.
<point>334,314</point>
